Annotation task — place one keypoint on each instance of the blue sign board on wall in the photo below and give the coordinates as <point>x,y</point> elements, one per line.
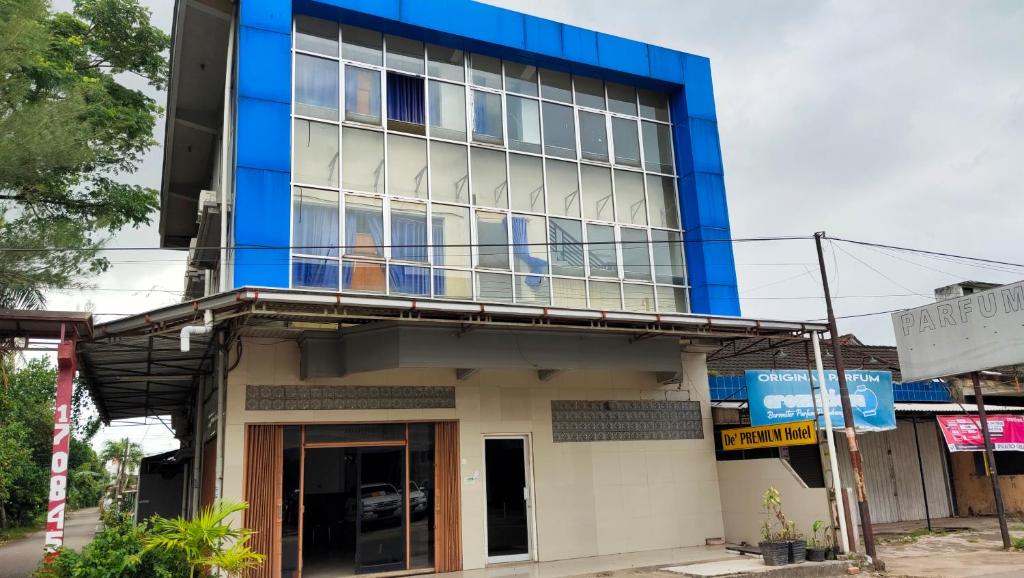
<point>784,395</point>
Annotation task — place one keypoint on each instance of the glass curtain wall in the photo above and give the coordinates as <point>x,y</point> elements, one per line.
<point>423,170</point>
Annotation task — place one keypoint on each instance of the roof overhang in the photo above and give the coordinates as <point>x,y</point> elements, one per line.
<point>46,325</point>
<point>195,100</point>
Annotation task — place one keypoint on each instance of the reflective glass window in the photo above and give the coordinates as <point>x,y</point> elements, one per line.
<point>657,147</point>
<point>453,284</point>
<point>569,293</point>
<point>449,172</point>
<point>449,233</point>
<point>315,35</point>
<point>315,222</point>
<point>533,290</point>
<point>316,87</point>
<point>630,206</point>
<point>362,95</point>
<point>563,188</point>
<point>668,257</point>
<point>485,71</point>
<point>661,194</point>
<point>593,137</point>
<point>627,143</point>
<point>566,239</point>
<point>362,160</point>
<point>362,45</point>
<point>494,287</point>
<point>529,244</point>
<point>487,117</point>
<point>672,300</point>
<point>407,166</point>
<point>406,107</point>
<point>521,78</point>
<point>555,85</point>
<point>589,92</point>
<point>598,201</point>
<point>490,181</point>
<point>447,110</point>
<point>313,273</point>
<point>653,105</point>
<point>446,63</point>
<point>638,298</point>
<point>492,236</point>
<point>408,231</point>
<point>405,54</point>
<point>316,153</point>
<point>605,295</point>
<point>559,131</point>
<point>636,260</point>
<point>364,226</point>
<point>363,276</point>
<point>523,124</point>
<point>409,280</point>
<point>621,99</point>
<point>601,251</point>
<point>526,180</point>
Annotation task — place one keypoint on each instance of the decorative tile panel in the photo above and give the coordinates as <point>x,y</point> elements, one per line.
<point>313,397</point>
<point>623,420</point>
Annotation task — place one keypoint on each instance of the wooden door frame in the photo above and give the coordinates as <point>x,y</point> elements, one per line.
<point>531,525</point>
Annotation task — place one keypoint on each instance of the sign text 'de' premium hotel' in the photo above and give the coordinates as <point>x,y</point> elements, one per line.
<point>972,333</point>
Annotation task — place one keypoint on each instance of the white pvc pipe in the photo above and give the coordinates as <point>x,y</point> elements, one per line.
<point>837,484</point>
<point>189,330</point>
<point>226,132</point>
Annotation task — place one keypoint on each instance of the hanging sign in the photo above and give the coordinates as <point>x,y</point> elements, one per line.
<point>784,395</point>
<point>963,432</point>
<point>797,433</point>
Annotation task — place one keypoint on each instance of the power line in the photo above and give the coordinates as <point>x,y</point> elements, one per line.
<point>927,252</point>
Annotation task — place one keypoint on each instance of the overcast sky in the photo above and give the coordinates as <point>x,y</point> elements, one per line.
<point>893,122</point>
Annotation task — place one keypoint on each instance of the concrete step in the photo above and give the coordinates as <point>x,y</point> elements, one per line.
<point>743,566</point>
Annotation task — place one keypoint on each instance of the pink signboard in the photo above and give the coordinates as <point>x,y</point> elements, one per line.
<point>61,442</point>
<point>963,432</point>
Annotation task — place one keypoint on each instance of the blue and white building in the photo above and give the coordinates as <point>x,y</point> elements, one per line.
<point>454,271</point>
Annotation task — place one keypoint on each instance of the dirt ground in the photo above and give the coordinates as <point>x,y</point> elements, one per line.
<point>959,547</point>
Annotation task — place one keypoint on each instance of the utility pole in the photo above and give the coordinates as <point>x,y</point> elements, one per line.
<point>990,455</point>
<point>844,397</point>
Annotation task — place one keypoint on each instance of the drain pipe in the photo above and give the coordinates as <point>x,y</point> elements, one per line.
<point>189,330</point>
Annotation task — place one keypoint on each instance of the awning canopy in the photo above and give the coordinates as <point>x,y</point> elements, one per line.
<point>907,407</point>
<point>134,366</point>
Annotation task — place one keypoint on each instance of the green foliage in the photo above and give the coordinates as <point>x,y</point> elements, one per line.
<point>68,128</point>
<point>775,528</point>
<point>207,542</point>
<point>1017,543</point>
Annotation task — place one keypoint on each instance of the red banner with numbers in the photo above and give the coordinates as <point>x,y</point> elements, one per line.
<point>66,365</point>
<point>963,432</point>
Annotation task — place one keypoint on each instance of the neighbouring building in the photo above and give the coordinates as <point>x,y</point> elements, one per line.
<point>454,272</point>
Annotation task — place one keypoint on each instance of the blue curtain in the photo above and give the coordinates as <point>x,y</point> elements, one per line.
<point>409,280</point>
<point>316,82</point>
<point>405,98</point>
<point>315,225</point>
<point>521,251</point>
<point>408,236</point>
<point>315,274</point>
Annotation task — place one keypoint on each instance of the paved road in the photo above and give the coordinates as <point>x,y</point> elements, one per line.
<point>21,557</point>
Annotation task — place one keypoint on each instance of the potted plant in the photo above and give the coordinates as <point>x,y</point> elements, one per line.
<point>774,546</point>
<point>797,546</point>
<point>817,544</point>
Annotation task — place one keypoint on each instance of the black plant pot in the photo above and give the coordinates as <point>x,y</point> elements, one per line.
<point>797,551</point>
<point>816,554</point>
<point>775,553</point>
<point>831,553</point>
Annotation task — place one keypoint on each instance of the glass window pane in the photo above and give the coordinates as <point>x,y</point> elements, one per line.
<point>291,474</point>
<point>589,92</point>
<point>407,166</point>
<point>523,124</point>
<point>653,105</point>
<point>597,193</point>
<point>361,45</point>
<point>309,273</point>
<point>661,193</point>
<point>638,297</point>
<point>409,280</point>
<point>672,300</point>
<point>362,276</point>
<point>316,153</point>
<point>362,95</point>
<point>636,260</point>
<point>494,287</point>
<point>627,143</point>
<point>601,251</point>
<point>490,181</point>
<point>668,257</point>
<point>521,78</point>
<point>362,160</point>
<point>593,136</point>
<point>408,231</point>
<point>370,432</point>
<point>315,35</point>
<point>447,110</point>
<point>316,87</point>
<point>555,85</point>
<point>449,232</point>
<point>405,103</point>
<point>657,147</point>
<point>405,54</point>
<point>487,117</point>
<point>526,177</point>
<point>492,236</point>
<point>569,293</point>
<point>421,495</point>
<point>364,226</point>
<point>605,296</point>
<point>630,206</point>
<point>449,172</point>
<point>315,222</point>
<point>485,71</point>
<point>621,99</point>
<point>529,249</point>
<point>450,284</point>
<point>447,63</point>
<point>566,238</point>
<point>563,188</point>
<point>532,290</point>
<point>559,131</point>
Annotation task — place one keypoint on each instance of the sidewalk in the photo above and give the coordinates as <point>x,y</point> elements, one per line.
<point>21,557</point>
<point>971,547</point>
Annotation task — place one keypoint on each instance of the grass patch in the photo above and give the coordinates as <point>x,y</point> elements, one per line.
<point>11,534</point>
<point>915,535</point>
<point>1017,543</point>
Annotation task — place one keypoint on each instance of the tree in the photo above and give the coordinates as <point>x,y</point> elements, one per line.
<point>68,128</point>
<point>128,455</point>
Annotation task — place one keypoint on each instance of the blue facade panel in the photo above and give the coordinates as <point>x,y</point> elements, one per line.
<point>264,84</point>
<point>262,207</point>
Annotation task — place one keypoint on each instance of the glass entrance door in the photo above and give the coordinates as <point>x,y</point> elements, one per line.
<point>508,499</point>
<point>380,540</point>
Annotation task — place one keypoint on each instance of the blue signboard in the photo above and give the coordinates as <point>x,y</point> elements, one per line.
<point>784,395</point>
